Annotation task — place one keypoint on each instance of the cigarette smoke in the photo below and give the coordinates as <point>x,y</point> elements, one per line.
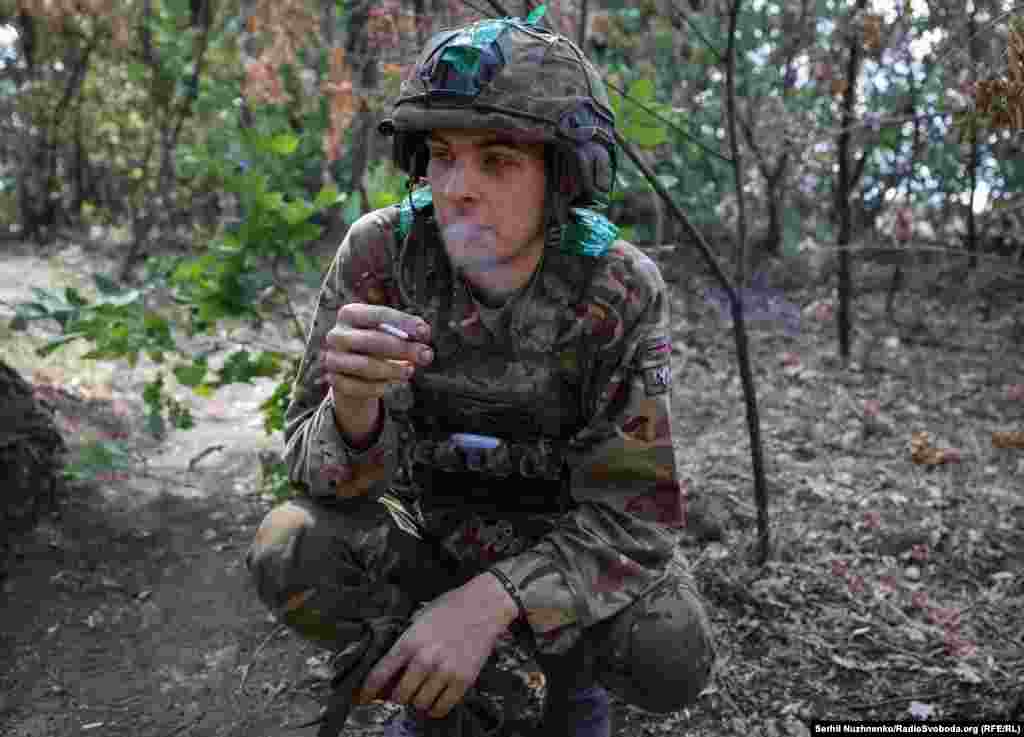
<point>470,246</point>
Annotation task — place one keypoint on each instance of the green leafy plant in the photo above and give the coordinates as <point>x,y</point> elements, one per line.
<point>221,282</point>
<point>274,481</point>
<point>636,114</point>
<point>98,461</point>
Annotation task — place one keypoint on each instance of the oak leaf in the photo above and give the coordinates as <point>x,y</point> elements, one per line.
<point>873,32</point>
<point>1009,439</point>
<point>923,453</point>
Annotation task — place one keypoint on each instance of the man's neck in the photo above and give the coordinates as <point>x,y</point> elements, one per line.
<point>496,287</point>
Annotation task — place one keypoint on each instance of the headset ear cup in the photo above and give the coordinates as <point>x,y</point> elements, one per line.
<point>595,161</point>
<point>420,158</point>
<point>409,152</point>
<point>398,151</point>
<point>570,182</point>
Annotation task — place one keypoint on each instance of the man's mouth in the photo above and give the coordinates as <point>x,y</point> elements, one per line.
<point>470,245</point>
<point>460,232</point>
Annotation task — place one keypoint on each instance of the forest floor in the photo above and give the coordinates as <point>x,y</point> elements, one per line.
<point>894,589</point>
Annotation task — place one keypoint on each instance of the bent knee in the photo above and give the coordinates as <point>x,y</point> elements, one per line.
<point>664,649</point>
<point>273,555</point>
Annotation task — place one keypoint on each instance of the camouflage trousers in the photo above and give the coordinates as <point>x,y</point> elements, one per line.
<point>326,569</point>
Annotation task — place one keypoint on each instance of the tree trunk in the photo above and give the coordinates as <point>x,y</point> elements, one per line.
<point>364,56</point>
<point>30,450</point>
<point>844,186</point>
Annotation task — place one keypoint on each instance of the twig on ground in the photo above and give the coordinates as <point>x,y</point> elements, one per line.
<point>255,655</point>
<point>202,454</point>
<point>187,726</point>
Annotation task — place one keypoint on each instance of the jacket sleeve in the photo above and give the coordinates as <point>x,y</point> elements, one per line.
<point>615,545</point>
<point>318,458</point>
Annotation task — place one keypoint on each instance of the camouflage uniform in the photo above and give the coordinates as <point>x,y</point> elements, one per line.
<point>573,375</point>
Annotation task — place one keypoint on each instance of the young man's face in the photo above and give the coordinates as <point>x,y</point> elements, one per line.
<point>488,197</point>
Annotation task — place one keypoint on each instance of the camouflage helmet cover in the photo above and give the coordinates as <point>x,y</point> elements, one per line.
<point>513,76</point>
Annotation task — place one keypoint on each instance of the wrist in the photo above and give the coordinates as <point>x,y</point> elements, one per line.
<point>359,422</point>
<point>511,604</point>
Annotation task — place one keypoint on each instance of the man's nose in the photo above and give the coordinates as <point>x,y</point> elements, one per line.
<point>461,180</point>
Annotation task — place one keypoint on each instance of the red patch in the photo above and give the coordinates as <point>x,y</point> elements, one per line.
<point>642,505</point>
<point>336,473</point>
<point>613,390</point>
<point>615,573</point>
<point>666,504</point>
<point>663,428</point>
<point>633,425</point>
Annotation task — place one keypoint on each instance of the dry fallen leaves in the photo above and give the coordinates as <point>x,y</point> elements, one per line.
<point>789,359</point>
<point>924,453</point>
<point>873,32</point>
<point>1011,439</point>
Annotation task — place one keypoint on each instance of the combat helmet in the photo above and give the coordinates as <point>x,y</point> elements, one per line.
<point>516,76</point>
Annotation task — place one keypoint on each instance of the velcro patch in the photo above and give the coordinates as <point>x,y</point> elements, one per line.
<point>657,379</point>
<point>655,351</point>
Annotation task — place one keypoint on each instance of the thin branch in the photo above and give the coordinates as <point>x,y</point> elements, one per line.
<point>471,6</point>
<point>699,34</point>
<point>185,108</point>
<point>748,133</point>
<point>674,126</point>
<point>498,8</point>
<point>734,146</point>
<point>581,29</point>
<point>248,666</point>
<point>679,215</point>
<point>939,62</point>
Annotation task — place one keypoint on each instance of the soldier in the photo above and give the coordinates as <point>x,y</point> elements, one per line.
<point>480,425</point>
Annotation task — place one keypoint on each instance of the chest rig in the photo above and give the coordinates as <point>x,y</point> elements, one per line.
<point>491,411</point>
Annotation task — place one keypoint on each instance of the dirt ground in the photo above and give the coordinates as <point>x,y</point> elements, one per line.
<point>894,590</point>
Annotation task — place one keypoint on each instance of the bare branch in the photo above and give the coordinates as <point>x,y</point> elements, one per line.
<point>697,32</point>
<point>498,8</point>
<point>667,122</point>
<point>734,146</point>
<point>679,215</point>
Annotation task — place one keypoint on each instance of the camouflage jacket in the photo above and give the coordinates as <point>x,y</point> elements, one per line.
<point>581,356</point>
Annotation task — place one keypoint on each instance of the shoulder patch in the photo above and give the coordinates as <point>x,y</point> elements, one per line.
<point>654,351</point>
<point>657,380</point>
<point>653,361</point>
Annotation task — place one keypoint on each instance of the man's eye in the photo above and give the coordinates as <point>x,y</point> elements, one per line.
<point>494,161</point>
<point>439,155</point>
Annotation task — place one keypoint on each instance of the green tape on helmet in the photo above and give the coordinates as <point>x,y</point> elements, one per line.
<point>464,51</point>
<point>536,14</point>
<point>465,59</point>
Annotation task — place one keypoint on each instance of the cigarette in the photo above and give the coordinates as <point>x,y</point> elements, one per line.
<point>397,332</point>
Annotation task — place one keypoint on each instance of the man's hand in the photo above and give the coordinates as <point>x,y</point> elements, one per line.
<point>444,649</point>
<point>362,361</point>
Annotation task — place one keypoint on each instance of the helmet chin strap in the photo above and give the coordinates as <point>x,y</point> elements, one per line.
<point>557,179</point>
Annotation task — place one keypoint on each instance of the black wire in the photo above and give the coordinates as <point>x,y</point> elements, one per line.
<point>699,34</point>
<point>668,122</point>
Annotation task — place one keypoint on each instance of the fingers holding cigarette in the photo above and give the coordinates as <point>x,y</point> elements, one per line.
<point>371,348</point>
<point>397,332</point>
